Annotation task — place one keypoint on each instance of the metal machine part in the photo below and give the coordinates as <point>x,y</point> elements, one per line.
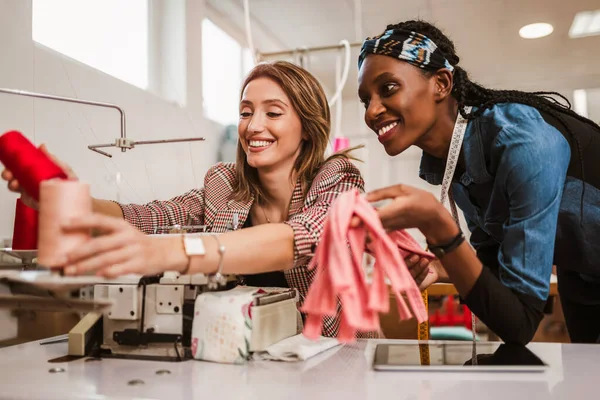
<point>27,258</point>
<point>150,318</point>
<point>121,142</point>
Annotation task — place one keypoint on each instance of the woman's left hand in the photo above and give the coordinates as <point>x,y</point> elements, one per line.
<point>414,208</point>
<point>122,249</point>
<point>422,271</point>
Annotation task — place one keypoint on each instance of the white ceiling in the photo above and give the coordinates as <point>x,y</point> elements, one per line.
<point>485,33</point>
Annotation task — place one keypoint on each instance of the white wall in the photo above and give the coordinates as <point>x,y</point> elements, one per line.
<point>148,172</point>
<point>593,104</point>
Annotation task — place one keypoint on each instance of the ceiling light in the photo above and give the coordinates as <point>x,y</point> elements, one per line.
<point>585,23</point>
<point>535,31</point>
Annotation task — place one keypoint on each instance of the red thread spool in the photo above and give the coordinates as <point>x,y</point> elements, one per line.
<point>28,164</point>
<point>25,233</point>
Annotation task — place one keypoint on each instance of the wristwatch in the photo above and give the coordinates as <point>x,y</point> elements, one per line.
<point>194,246</point>
<point>441,250</point>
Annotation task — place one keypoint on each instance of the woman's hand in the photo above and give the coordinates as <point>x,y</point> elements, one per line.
<point>122,249</point>
<point>422,271</point>
<point>14,186</point>
<point>414,208</point>
<point>409,207</point>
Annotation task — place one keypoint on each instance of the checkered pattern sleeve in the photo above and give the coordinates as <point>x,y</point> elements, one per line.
<point>335,177</point>
<point>186,209</point>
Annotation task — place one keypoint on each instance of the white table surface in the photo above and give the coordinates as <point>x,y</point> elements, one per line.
<point>344,372</point>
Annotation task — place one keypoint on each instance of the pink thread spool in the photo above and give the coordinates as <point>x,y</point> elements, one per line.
<point>341,143</point>
<point>60,201</point>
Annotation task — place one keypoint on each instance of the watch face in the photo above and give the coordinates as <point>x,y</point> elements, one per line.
<point>194,246</point>
<point>439,253</point>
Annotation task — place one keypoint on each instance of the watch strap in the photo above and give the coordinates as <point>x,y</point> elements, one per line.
<point>441,250</point>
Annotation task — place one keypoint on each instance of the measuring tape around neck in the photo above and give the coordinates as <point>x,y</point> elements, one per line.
<point>458,135</point>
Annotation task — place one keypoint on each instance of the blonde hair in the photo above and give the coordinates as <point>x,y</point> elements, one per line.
<point>310,103</point>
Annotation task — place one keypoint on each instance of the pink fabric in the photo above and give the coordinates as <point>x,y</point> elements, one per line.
<point>340,273</point>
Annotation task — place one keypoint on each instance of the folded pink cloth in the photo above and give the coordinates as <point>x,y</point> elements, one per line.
<point>340,273</point>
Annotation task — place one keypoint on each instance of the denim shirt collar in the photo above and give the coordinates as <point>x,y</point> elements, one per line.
<point>432,169</point>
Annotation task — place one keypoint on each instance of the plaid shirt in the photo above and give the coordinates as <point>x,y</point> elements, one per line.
<point>212,206</point>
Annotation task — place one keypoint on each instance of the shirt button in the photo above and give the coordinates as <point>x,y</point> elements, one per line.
<point>466,180</point>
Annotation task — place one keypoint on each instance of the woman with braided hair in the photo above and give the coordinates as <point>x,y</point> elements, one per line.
<point>526,177</point>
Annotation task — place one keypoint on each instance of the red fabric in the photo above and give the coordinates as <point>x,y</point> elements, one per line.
<point>29,165</point>
<point>25,232</point>
<point>340,274</point>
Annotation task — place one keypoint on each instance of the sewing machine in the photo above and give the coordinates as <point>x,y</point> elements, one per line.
<point>139,317</point>
<point>151,318</point>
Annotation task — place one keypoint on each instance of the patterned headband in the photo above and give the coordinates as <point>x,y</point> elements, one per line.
<point>412,47</point>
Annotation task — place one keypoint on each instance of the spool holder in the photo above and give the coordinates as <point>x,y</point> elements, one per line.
<point>121,142</point>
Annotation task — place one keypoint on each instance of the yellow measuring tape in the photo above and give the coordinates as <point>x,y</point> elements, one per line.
<point>424,332</point>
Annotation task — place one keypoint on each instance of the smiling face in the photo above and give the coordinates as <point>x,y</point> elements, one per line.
<point>283,128</point>
<point>400,102</point>
<point>269,128</point>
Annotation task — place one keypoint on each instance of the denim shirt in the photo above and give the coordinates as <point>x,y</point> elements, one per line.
<point>512,189</point>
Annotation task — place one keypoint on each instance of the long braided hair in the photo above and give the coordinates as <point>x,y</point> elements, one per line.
<point>469,93</point>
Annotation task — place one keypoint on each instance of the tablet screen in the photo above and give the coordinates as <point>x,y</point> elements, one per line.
<point>459,354</point>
